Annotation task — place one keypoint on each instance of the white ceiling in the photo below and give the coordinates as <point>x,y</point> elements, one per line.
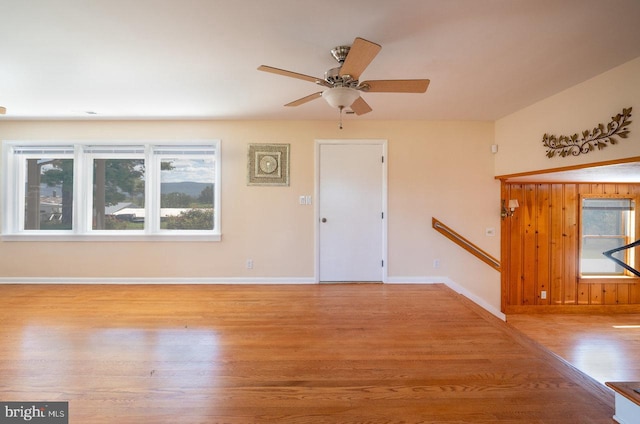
<point>164,59</point>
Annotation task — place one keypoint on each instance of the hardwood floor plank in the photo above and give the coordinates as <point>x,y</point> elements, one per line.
<point>604,346</point>
<point>288,354</point>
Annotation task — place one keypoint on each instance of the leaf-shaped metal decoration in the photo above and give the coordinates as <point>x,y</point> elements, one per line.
<point>596,138</point>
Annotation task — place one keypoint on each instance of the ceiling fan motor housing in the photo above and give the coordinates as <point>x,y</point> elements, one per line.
<point>333,77</point>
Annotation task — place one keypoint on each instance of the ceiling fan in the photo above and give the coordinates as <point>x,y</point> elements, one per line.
<point>342,87</point>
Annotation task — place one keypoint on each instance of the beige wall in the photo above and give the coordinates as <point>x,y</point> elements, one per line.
<point>435,169</point>
<point>441,169</point>
<point>579,108</point>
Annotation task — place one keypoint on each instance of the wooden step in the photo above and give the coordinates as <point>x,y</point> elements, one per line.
<point>627,401</point>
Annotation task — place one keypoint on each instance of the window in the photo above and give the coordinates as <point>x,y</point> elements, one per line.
<point>607,223</point>
<point>117,177</point>
<point>186,190</point>
<point>46,176</point>
<point>108,190</point>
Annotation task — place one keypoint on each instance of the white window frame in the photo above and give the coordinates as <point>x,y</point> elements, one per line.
<point>90,153</point>
<point>14,154</point>
<point>153,191</point>
<point>629,236</point>
<point>14,182</point>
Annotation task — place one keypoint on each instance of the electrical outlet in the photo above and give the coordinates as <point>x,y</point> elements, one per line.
<point>543,294</point>
<point>249,263</point>
<point>436,263</point>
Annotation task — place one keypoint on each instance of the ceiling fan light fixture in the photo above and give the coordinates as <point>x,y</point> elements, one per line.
<point>340,97</point>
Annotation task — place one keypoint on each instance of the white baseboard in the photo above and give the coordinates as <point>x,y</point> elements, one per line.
<point>416,280</point>
<point>476,299</point>
<point>453,286</point>
<point>155,280</point>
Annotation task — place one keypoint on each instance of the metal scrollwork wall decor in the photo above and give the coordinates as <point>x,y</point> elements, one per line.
<point>596,138</point>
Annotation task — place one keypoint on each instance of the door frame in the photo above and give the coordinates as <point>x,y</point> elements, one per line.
<point>316,195</point>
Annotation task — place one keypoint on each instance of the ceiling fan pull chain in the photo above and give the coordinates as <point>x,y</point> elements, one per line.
<point>340,107</point>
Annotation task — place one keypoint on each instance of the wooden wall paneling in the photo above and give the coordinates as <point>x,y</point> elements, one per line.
<point>542,247</point>
<point>570,246</point>
<point>597,189</point>
<point>515,247</point>
<point>556,245</point>
<point>624,189</point>
<point>543,212</point>
<point>609,294</point>
<point>608,188</point>
<point>595,293</point>
<point>634,293</point>
<point>622,294</point>
<point>583,293</point>
<point>584,289</point>
<point>529,260</point>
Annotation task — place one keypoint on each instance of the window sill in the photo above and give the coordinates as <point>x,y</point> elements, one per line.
<point>111,238</point>
<point>608,279</point>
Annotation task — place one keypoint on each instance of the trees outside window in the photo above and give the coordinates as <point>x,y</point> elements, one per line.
<point>49,194</point>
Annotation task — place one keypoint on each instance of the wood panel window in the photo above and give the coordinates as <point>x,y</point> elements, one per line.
<point>551,248</point>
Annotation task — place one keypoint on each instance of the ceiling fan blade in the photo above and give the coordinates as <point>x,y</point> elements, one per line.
<point>395,86</point>
<point>360,107</point>
<point>290,74</point>
<point>305,99</point>
<point>359,57</point>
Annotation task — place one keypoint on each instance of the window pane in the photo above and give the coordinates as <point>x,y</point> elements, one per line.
<point>605,226</point>
<point>186,194</point>
<point>594,262</point>
<point>118,194</point>
<point>48,194</point>
<point>605,216</point>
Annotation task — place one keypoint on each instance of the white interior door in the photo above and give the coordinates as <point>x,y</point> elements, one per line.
<point>351,211</point>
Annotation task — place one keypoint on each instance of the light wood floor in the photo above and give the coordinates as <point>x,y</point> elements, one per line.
<point>604,346</point>
<point>286,354</point>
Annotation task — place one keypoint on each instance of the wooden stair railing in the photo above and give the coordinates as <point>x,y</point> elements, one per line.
<point>465,244</point>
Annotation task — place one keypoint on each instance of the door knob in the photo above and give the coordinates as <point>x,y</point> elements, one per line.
<point>324,219</point>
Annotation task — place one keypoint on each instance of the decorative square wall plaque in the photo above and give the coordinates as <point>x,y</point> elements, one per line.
<point>268,164</point>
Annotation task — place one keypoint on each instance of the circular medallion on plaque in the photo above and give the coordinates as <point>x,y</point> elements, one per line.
<point>268,164</point>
